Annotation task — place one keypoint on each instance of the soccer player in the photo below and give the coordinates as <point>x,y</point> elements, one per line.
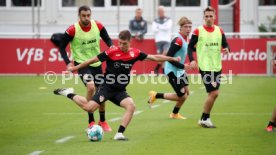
<point>175,70</point>
<point>207,41</point>
<point>272,123</point>
<point>84,37</point>
<point>119,61</point>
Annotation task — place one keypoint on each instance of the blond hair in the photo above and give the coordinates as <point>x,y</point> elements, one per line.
<point>184,20</point>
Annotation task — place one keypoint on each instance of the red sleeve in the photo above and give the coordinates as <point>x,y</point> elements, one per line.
<point>110,51</point>
<point>100,25</point>
<point>71,31</point>
<point>178,42</point>
<point>221,30</point>
<point>196,32</point>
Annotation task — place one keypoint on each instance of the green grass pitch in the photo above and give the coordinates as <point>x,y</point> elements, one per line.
<point>32,119</point>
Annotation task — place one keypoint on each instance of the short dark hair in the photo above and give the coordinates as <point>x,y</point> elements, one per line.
<point>209,8</point>
<point>138,9</point>
<point>125,35</point>
<point>84,8</point>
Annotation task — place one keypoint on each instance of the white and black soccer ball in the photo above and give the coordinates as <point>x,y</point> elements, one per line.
<point>95,133</point>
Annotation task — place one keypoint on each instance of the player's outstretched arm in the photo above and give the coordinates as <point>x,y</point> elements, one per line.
<point>162,58</point>
<point>84,64</point>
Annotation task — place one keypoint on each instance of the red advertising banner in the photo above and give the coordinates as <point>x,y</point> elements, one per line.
<point>37,56</point>
<point>247,56</point>
<point>273,48</point>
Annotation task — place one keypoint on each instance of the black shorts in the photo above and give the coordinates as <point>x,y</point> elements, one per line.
<point>106,92</point>
<point>211,80</point>
<point>89,73</point>
<point>178,83</point>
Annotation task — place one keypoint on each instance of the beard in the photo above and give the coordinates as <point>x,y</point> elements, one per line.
<point>85,23</point>
<point>209,23</point>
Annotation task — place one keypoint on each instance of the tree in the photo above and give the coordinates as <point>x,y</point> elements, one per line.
<point>270,28</point>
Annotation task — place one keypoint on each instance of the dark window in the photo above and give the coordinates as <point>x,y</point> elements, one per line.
<point>73,3</point>
<point>2,2</point>
<point>24,3</point>
<point>267,2</point>
<point>187,3</point>
<point>180,3</point>
<point>125,2</point>
<point>66,3</point>
<point>98,3</point>
<point>223,2</point>
<point>165,2</point>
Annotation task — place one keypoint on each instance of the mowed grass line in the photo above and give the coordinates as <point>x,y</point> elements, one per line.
<point>33,119</point>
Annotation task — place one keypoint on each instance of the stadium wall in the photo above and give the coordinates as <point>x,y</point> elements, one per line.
<point>38,56</point>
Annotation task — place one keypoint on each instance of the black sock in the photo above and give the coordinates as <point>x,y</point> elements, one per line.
<point>121,129</point>
<point>157,67</point>
<point>271,123</point>
<point>159,95</point>
<point>102,116</point>
<point>175,110</point>
<point>90,117</point>
<point>71,96</point>
<point>205,116</point>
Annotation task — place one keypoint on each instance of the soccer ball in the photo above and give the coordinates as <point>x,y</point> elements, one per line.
<point>95,133</point>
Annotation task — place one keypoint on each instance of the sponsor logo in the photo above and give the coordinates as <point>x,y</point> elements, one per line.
<point>242,55</point>
<point>131,54</point>
<point>101,98</point>
<point>208,44</point>
<point>116,65</point>
<point>214,84</point>
<point>31,55</point>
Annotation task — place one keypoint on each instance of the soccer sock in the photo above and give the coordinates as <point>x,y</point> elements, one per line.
<point>271,123</point>
<point>102,116</point>
<point>205,116</point>
<point>175,110</point>
<point>121,129</point>
<point>157,67</point>
<point>159,95</point>
<point>71,96</point>
<point>90,117</point>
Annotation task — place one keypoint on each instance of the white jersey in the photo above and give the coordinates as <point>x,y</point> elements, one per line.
<point>162,28</point>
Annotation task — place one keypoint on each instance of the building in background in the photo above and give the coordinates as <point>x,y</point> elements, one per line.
<point>20,16</point>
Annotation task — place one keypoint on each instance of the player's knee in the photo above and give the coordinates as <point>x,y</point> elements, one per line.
<point>182,96</point>
<point>87,108</point>
<point>215,94</point>
<point>131,107</point>
<point>91,106</point>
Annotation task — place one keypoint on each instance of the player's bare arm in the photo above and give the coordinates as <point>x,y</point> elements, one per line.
<point>193,65</point>
<point>84,64</point>
<point>162,58</point>
<point>70,65</point>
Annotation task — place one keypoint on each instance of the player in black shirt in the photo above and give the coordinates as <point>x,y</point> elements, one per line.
<point>119,61</point>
